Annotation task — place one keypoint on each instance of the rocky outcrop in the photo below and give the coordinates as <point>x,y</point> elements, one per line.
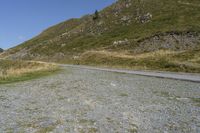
<point>144,18</point>
<point>169,41</point>
<point>121,42</point>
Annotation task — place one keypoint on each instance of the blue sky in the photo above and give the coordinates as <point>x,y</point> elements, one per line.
<point>21,20</point>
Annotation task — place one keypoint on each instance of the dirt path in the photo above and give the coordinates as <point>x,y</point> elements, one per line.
<point>85,100</point>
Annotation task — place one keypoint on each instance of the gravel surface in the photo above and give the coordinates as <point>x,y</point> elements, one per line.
<point>159,74</point>
<point>89,101</point>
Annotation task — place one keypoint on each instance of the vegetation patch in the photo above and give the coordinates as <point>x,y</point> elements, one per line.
<point>14,71</point>
<point>164,60</point>
<point>123,94</point>
<point>196,101</point>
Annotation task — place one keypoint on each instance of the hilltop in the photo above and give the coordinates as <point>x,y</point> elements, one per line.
<point>136,34</point>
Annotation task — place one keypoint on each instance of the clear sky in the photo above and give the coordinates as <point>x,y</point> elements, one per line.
<point>21,20</point>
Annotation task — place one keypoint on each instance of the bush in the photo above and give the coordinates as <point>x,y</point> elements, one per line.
<point>1,50</point>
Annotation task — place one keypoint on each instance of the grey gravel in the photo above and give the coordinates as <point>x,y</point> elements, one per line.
<point>88,101</point>
<point>193,77</point>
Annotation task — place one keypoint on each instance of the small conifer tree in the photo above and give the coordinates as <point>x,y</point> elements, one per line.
<point>96,15</point>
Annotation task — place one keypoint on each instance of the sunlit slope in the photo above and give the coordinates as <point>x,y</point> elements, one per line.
<point>129,27</point>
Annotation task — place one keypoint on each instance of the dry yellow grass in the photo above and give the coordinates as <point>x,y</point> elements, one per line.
<point>10,69</point>
<point>178,61</point>
<point>127,55</point>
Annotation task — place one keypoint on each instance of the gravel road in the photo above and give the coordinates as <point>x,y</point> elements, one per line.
<point>81,100</point>
<point>159,74</point>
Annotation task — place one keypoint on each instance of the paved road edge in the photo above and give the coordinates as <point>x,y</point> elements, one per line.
<point>169,75</point>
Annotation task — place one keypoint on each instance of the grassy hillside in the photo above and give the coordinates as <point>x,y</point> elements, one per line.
<point>13,71</point>
<point>132,28</point>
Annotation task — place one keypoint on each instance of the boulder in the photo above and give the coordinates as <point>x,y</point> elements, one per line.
<point>144,18</point>
<point>121,42</point>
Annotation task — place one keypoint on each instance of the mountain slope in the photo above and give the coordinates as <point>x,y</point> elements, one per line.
<point>121,32</point>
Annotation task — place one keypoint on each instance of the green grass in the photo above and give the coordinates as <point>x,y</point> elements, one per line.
<point>196,101</point>
<point>123,94</point>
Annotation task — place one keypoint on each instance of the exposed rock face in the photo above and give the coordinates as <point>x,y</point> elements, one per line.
<point>169,41</point>
<point>126,20</point>
<point>121,42</point>
<point>144,18</point>
<point>22,54</point>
